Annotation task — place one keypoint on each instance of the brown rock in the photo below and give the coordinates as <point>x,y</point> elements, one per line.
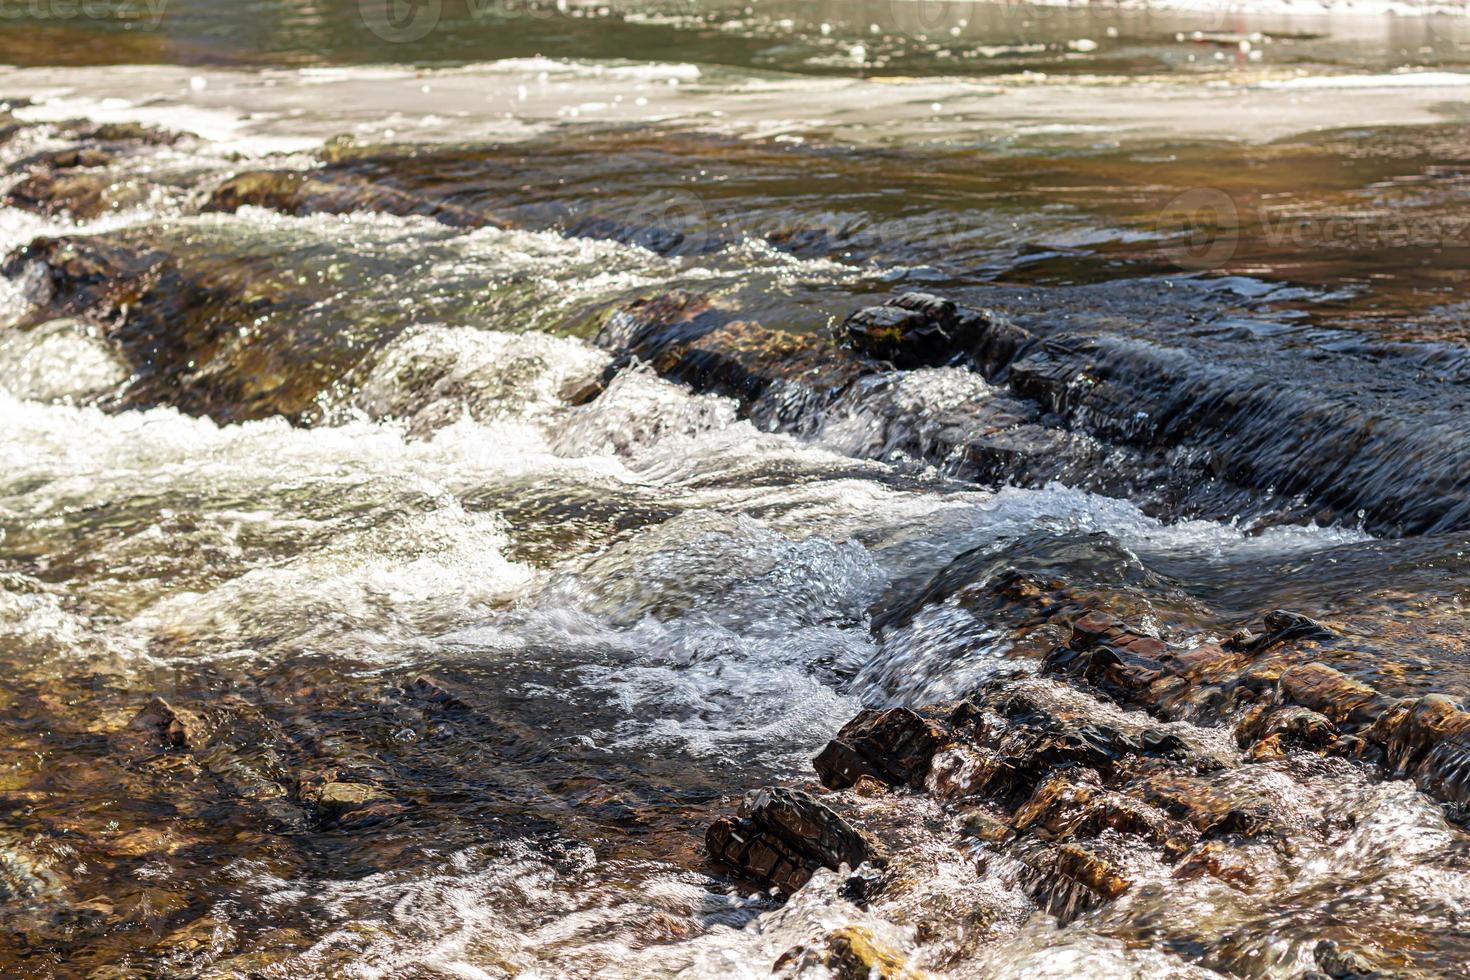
<point>1267,749</point>
<point>1287,724</point>
<point>432,689</point>
<point>1056,804</point>
<point>982,826</point>
<point>166,726</point>
<point>854,954</point>
<point>1428,739</point>
<point>1219,860</point>
<point>920,330</point>
<point>129,132</point>
<point>1203,804</point>
<point>294,192</point>
<point>82,195</point>
<point>894,746</point>
<point>1342,963</point>
<point>848,953</point>
<point>1347,703</point>
<point>1072,878</point>
<point>351,804</point>
<point>780,837</point>
<point>1090,868</point>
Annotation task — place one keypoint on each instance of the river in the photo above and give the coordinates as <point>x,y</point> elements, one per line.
<point>431,495</point>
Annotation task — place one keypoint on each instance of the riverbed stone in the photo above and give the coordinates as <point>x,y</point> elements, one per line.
<point>894,746</point>
<point>780,837</point>
<point>849,952</point>
<point>81,195</point>
<point>1350,704</point>
<point>915,330</point>
<point>166,726</point>
<point>302,193</point>
<point>1344,963</point>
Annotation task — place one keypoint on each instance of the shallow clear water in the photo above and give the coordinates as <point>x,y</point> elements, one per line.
<point>372,526</point>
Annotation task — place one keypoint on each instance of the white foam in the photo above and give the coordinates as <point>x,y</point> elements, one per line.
<point>639,411</point>
<point>58,361</point>
<point>212,124</point>
<point>1388,80</point>
<point>435,375</point>
<point>651,70</point>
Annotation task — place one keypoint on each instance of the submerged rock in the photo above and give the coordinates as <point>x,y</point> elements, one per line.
<point>1342,963</point>
<point>27,884</point>
<point>81,195</point>
<point>351,803</point>
<point>76,180</point>
<point>297,193</point>
<point>161,725</point>
<point>210,333</point>
<point>849,953</point>
<point>76,156</point>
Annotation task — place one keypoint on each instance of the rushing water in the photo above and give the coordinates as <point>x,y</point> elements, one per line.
<point>356,487</point>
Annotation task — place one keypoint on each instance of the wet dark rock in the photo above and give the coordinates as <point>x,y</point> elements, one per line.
<point>1288,724</point>
<point>793,382</point>
<point>9,125</point>
<point>166,726</point>
<point>1287,705</point>
<point>81,195</point>
<point>1282,625</point>
<point>303,193</point>
<point>1057,802</point>
<point>76,156</point>
<point>894,746</point>
<point>1343,963</point>
<point>1071,878</point>
<point>780,837</point>
<point>1221,861</point>
<point>1111,810</point>
<point>127,132</point>
<point>1186,433</point>
<point>775,375</point>
<point>430,688</point>
<point>1428,739</point>
<point>922,330</point>
<point>1138,669</point>
<point>351,803</point>
<point>1350,704</point>
<point>1089,867</point>
<point>849,953</point>
<point>27,883</point>
<point>209,334</point>
<point>1082,802</point>
<point>854,954</point>
<point>982,826</point>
